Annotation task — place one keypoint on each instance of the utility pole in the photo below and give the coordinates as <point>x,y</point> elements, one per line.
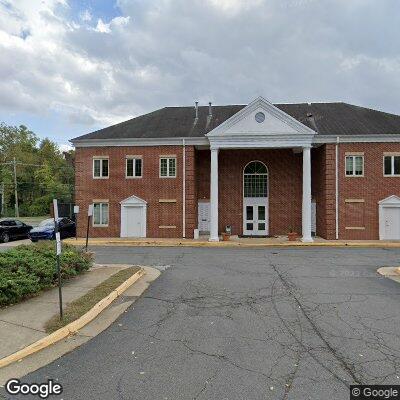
<point>15,188</point>
<point>14,163</point>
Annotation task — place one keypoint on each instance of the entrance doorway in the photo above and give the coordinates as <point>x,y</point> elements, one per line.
<point>255,199</point>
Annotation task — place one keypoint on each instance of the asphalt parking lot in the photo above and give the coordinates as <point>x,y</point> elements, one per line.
<point>276,323</point>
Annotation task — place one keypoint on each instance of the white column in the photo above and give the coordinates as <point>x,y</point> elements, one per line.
<point>306,218</point>
<point>214,197</point>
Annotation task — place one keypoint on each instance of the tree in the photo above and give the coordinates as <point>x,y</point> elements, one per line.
<point>43,172</point>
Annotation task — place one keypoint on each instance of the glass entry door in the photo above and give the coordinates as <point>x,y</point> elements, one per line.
<point>255,216</point>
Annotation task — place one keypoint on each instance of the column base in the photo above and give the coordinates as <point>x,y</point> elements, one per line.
<point>213,239</point>
<point>307,239</point>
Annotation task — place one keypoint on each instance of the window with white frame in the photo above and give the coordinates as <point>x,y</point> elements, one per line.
<point>391,165</point>
<point>355,165</point>
<point>100,168</point>
<point>100,214</point>
<point>168,167</point>
<point>133,167</point>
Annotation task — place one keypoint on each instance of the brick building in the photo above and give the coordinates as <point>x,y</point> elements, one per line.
<point>332,169</point>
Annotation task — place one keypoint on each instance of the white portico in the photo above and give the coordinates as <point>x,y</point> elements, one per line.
<point>261,125</point>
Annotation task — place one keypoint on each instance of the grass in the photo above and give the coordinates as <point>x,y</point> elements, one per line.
<point>80,306</point>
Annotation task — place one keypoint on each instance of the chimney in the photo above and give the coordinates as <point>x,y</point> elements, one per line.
<point>196,107</point>
<point>209,110</point>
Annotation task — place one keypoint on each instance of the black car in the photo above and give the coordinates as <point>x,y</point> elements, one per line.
<point>13,229</point>
<point>46,231</point>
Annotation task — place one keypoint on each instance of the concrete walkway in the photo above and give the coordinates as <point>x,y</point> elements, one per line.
<point>23,324</point>
<point>235,241</point>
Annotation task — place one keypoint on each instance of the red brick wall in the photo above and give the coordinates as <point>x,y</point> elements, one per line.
<point>371,188</point>
<point>285,187</point>
<point>323,189</point>
<point>150,188</point>
<point>203,160</point>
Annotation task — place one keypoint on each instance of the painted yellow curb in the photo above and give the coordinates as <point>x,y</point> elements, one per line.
<point>111,242</point>
<point>74,326</point>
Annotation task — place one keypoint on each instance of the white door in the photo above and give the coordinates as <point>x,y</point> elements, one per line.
<point>134,221</point>
<point>255,216</point>
<point>391,216</point>
<point>204,216</point>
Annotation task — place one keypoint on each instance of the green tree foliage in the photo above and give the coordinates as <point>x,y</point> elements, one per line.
<point>49,174</point>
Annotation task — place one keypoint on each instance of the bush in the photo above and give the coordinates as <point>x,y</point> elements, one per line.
<point>27,270</point>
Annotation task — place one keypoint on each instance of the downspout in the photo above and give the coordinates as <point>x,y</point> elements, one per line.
<point>337,187</point>
<point>184,189</point>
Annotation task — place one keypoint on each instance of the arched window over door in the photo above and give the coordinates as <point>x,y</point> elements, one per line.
<point>255,180</point>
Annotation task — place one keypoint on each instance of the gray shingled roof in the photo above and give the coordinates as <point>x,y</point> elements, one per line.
<point>325,118</point>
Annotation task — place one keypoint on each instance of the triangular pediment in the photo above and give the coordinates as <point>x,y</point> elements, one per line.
<point>390,200</point>
<point>133,200</point>
<point>261,117</point>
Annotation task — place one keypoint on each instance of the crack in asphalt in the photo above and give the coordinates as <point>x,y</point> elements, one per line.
<point>250,320</point>
<point>349,369</point>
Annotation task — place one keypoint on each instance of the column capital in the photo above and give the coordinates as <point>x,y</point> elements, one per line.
<point>307,146</point>
<point>213,148</point>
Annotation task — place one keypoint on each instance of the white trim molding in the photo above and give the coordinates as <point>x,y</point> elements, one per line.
<point>133,201</point>
<point>379,138</point>
<point>278,130</point>
<point>140,142</point>
<point>389,202</point>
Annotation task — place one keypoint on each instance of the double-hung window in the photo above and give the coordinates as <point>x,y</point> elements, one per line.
<point>168,167</point>
<point>100,214</point>
<point>354,165</point>
<point>100,167</point>
<point>133,168</point>
<point>391,165</point>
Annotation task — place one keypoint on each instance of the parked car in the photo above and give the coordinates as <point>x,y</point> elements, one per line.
<point>46,229</point>
<point>13,229</point>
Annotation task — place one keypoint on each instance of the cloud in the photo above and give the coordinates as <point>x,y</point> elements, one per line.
<point>96,69</point>
<point>234,7</point>
<point>85,16</point>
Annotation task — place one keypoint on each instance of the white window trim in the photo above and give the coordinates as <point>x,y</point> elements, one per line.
<point>101,158</point>
<point>134,167</point>
<point>101,212</point>
<point>354,165</point>
<point>176,167</point>
<point>392,175</point>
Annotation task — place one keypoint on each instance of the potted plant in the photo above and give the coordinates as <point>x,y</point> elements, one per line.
<point>292,235</point>
<point>227,234</point>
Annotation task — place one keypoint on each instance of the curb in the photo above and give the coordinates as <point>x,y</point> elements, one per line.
<point>111,243</point>
<point>389,272</point>
<point>74,326</point>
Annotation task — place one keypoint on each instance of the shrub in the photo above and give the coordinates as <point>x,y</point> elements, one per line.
<point>27,270</point>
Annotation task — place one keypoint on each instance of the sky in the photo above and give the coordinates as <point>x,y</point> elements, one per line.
<point>69,67</point>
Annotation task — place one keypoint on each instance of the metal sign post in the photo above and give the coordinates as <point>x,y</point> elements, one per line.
<point>58,253</point>
<point>76,212</point>
<point>90,213</point>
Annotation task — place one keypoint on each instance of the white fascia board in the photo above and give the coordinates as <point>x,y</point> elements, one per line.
<point>383,138</point>
<point>195,141</point>
<point>261,141</point>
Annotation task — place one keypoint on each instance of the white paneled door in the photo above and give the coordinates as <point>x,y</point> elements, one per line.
<point>134,221</point>
<point>391,218</point>
<point>255,216</point>
<point>204,216</point>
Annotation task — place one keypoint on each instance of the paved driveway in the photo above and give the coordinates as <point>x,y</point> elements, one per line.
<point>244,324</point>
